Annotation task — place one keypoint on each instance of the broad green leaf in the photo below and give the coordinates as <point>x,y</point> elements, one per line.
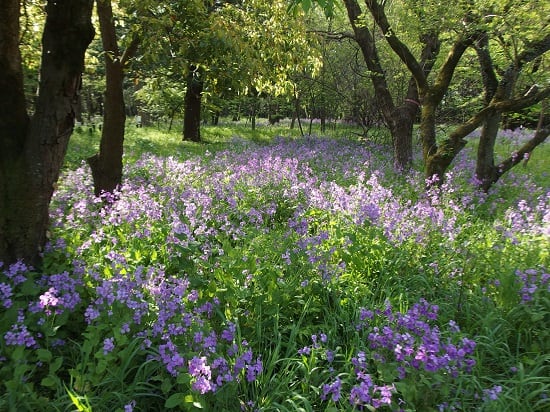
<point>174,400</point>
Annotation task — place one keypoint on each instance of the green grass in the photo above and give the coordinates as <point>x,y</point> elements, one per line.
<point>162,142</point>
<point>239,229</point>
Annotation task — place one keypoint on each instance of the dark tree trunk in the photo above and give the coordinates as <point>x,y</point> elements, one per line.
<point>107,164</point>
<point>401,131</point>
<point>33,154</point>
<point>485,164</point>
<point>13,128</point>
<point>494,91</point>
<point>171,122</point>
<point>13,114</point>
<point>253,119</point>
<point>193,100</point>
<point>297,115</point>
<point>499,94</point>
<point>400,119</point>
<point>436,159</point>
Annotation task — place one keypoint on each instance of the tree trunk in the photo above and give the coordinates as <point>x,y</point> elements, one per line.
<point>253,119</point>
<point>401,131</point>
<point>216,118</point>
<point>193,100</point>
<point>437,158</point>
<point>171,122</point>
<point>32,156</point>
<point>400,119</point>
<point>107,164</point>
<point>485,164</point>
<point>13,128</point>
<point>13,113</point>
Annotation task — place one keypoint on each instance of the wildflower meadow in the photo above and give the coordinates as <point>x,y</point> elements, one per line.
<point>283,274</point>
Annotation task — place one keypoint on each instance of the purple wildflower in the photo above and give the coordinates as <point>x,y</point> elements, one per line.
<point>333,389</point>
<point>108,345</point>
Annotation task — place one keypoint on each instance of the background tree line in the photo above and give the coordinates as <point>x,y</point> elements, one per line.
<point>391,64</point>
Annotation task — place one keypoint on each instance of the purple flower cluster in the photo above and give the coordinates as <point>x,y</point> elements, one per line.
<point>175,319</point>
<point>411,341</point>
<point>172,220</point>
<point>16,273</point>
<point>211,371</point>
<point>6,293</point>
<point>528,219</point>
<point>531,281</point>
<point>61,292</point>
<point>332,389</point>
<point>492,394</point>
<point>407,342</point>
<point>148,304</point>
<point>234,193</point>
<point>19,335</point>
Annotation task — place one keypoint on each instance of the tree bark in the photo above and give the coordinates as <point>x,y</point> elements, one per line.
<point>487,172</point>
<point>13,113</point>
<point>437,158</point>
<point>485,165</point>
<point>399,131</point>
<point>193,101</point>
<point>32,157</point>
<point>399,119</point>
<point>107,164</point>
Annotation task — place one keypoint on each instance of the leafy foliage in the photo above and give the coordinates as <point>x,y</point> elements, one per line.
<point>301,273</point>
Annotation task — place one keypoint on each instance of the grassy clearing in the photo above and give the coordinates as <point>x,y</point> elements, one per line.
<point>254,273</point>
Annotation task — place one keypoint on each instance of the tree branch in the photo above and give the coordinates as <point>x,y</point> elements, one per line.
<point>488,75</point>
<point>333,35</point>
<point>531,52</point>
<point>130,51</point>
<point>447,70</point>
<point>379,15</point>
<point>543,130</point>
<point>521,102</point>
<point>511,105</point>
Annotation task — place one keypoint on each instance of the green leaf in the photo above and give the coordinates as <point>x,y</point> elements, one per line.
<point>191,399</point>
<point>166,385</point>
<point>28,288</point>
<point>183,378</point>
<point>44,355</point>
<point>18,353</point>
<point>174,400</point>
<point>49,381</point>
<point>101,366</point>
<point>56,364</point>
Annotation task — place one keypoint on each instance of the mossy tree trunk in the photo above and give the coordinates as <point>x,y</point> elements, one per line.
<point>399,118</point>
